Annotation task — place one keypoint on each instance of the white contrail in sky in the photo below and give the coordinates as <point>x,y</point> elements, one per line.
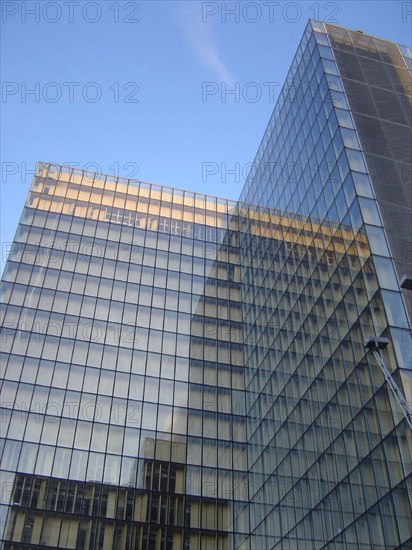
<point>200,36</point>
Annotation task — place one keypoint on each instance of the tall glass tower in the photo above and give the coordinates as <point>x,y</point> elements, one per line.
<point>329,446</point>
<point>183,372</point>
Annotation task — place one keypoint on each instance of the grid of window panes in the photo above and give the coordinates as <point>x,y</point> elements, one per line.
<point>378,85</point>
<point>186,372</point>
<point>123,391</point>
<point>329,448</point>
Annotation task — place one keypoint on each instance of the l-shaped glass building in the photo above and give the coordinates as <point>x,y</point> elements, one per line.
<point>183,372</point>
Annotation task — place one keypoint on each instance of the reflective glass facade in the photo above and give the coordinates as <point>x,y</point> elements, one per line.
<point>186,372</point>
<point>329,449</point>
<point>124,382</point>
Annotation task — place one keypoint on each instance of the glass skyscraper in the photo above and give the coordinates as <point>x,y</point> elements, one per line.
<point>183,372</point>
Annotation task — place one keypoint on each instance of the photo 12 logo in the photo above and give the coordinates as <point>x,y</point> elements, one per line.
<point>270,12</point>
<point>69,12</point>
<point>249,92</point>
<point>13,171</point>
<point>69,92</point>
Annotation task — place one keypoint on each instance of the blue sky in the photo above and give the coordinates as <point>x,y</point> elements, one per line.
<point>138,88</point>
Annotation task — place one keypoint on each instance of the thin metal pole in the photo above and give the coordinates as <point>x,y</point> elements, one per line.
<point>394,388</point>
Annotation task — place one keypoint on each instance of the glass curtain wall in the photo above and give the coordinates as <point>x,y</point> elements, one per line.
<point>329,448</point>
<point>186,372</point>
<point>123,406</point>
